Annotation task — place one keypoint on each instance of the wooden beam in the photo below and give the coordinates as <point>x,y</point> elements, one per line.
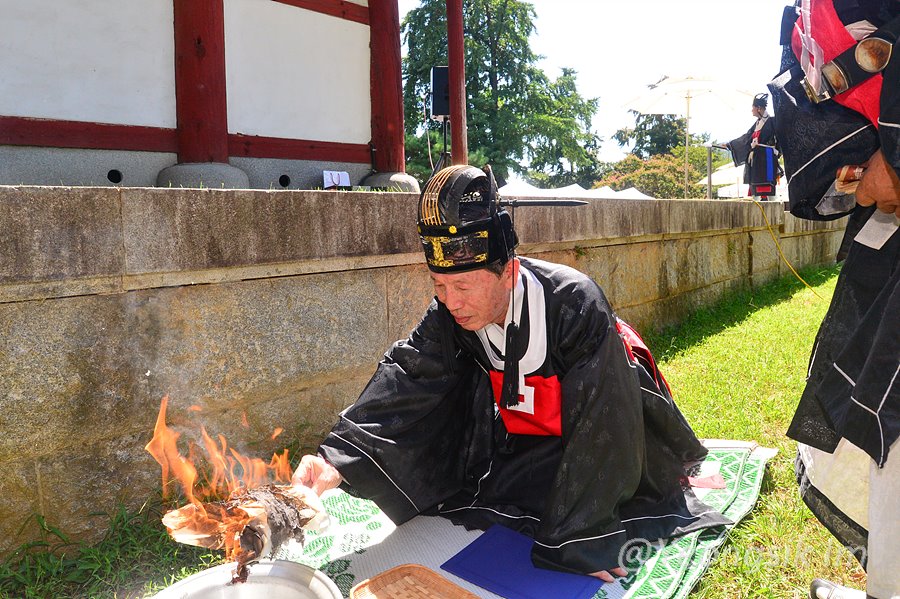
<point>51,133</point>
<point>459,149</point>
<point>335,8</point>
<point>256,146</point>
<point>200,98</point>
<point>386,87</point>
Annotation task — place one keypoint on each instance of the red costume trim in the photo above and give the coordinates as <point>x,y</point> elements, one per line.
<point>832,36</point>
<point>546,401</point>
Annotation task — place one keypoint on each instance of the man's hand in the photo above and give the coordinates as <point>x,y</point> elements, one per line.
<point>608,576</point>
<point>317,474</point>
<point>879,185</point>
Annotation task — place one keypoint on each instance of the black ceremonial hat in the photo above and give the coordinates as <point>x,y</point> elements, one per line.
<point>460,223</point>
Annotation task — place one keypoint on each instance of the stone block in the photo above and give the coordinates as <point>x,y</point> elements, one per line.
<point>21,501</point>
<point>671,310</point>
<point>203,174</point>
<point>792,225</point>
<point>622,272</point>
<point>696,262</point>
<point>69,368</point>
<point>764,255</point>
<point>819,249</point>
<point>32,165</point>
<point>171,229</point>
<point>686,216</point>
<point>305,409</point>
<point>279,173</point>
<point>56,233</point>
<point>598,220</point>
<point>409,292</point>
<point>84,486</point>
<point>66,371</point>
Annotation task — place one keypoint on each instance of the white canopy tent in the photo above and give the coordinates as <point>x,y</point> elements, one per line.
<point>523,189</point>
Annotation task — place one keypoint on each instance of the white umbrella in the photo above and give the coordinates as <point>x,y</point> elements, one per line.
<point>678,95</point>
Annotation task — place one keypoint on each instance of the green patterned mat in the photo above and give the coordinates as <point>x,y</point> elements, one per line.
<point>362,542</point>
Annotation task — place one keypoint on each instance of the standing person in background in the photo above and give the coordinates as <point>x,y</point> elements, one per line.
<point>757,151</point>
<point>838,101</point>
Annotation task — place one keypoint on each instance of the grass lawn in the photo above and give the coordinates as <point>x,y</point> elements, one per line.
<point>737,371</point>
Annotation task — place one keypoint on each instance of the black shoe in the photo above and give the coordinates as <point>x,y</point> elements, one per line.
<point>823,589</point>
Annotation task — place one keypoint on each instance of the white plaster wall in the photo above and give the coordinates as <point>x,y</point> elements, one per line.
<point>296,74</point>
<point>108,61</point>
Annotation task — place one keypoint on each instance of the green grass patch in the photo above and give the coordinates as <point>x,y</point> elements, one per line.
<point>136,558</point>
<point>737,371</point>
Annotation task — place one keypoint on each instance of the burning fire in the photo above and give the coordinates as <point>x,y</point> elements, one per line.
<point>227,473</point>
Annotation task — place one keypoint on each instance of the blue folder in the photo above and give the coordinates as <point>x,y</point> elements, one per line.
<point>500,561</point>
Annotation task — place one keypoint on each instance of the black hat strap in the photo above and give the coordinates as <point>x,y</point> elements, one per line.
<point>514,349</point>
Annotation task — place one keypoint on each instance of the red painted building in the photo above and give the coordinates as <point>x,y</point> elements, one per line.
<point>234,93</point>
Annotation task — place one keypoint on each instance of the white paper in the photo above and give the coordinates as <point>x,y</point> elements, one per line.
<point>335,179</point>
<point>878,229</point>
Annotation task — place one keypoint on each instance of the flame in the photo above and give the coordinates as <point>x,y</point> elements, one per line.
<point>195,408</point>
<point>278,430</point>
<point>225,472</point>
<point>164,449</point>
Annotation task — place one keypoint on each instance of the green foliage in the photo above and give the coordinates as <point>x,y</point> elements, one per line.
<point>660,176</point>
<point>421,160</point>
<point>652,134</point>
<point>515,112</point>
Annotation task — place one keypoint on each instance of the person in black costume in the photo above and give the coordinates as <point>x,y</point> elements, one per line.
<point>839,129</point>
<point>757,150</point>
<point>519,399</point>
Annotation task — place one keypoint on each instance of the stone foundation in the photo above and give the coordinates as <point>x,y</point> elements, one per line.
<point>276,305</point>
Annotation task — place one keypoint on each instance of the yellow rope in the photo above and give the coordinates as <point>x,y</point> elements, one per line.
<point>781,253</point>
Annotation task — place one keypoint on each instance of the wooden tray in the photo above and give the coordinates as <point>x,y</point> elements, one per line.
<point>409,581</point>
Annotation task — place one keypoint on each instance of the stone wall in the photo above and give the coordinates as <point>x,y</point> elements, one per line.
<point>275,305</point>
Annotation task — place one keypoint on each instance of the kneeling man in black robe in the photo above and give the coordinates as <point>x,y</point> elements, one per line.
<point>519,399</point>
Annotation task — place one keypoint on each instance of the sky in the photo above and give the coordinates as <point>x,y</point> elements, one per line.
<point>618,48</point>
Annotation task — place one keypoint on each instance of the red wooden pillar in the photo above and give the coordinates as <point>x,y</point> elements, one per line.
<point>387,87</point>
<point>459,150</point>
<point>200,100</point>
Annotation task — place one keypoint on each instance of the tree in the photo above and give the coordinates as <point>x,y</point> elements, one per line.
<point>652,134</point>
<point>662,175</point>
<point>515,112</point>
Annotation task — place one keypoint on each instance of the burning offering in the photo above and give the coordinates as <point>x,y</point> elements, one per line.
<point>261,509</point>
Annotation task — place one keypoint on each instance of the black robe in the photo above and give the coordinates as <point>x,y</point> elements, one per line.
<point>853,383</point>
<point>427,435</point>
<point>850,390</point>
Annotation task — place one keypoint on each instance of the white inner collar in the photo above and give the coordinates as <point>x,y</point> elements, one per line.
<point>497,334</point>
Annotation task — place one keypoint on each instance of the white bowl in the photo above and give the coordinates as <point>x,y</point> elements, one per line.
<point>278,579</point>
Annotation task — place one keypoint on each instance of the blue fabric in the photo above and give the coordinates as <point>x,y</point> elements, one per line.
<point>770,164</point>
<point>500,561</point>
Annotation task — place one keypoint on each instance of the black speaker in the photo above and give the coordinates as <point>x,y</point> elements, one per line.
<point>440,91</point>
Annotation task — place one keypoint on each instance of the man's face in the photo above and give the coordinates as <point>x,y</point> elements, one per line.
<point>476,298</point>
<point>757,111</point>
